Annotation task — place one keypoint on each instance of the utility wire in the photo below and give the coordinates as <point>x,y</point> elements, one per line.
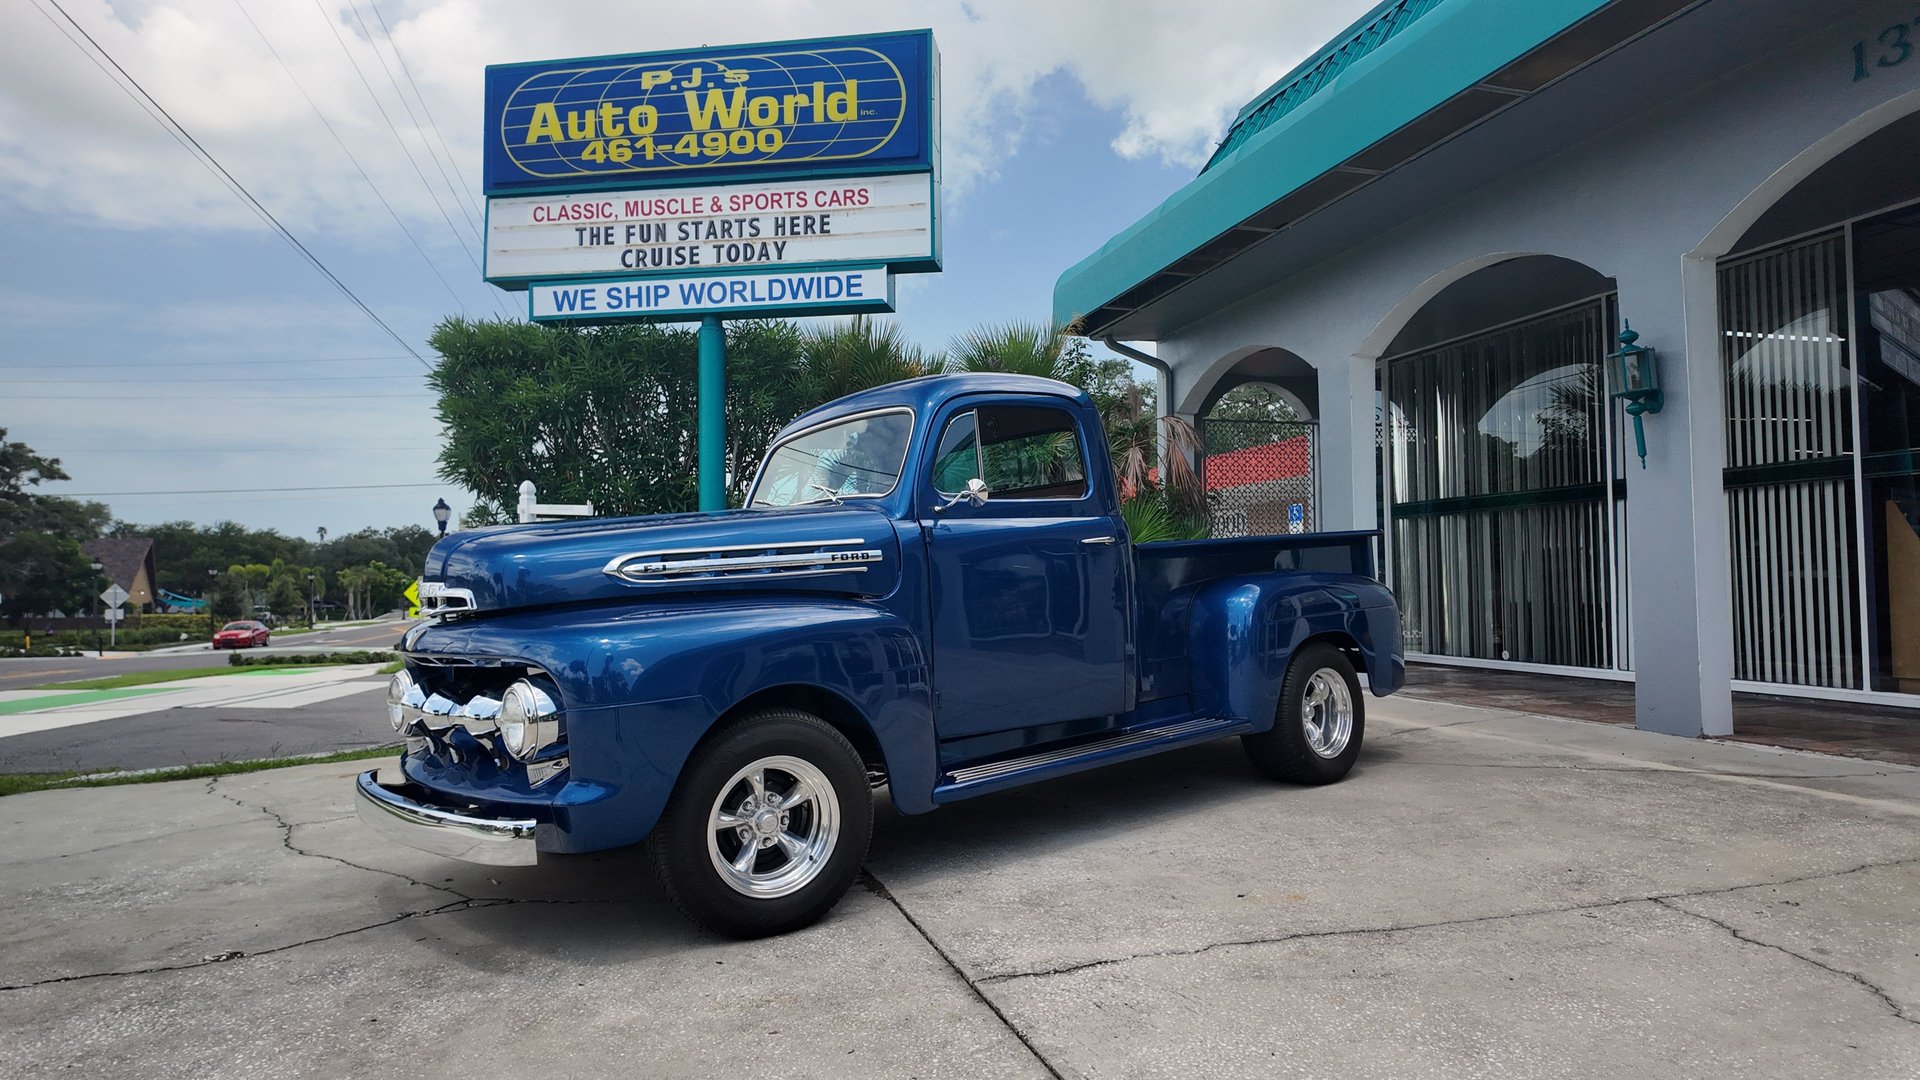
<point>404,149</point>
<point>324,122</point>
<point>466,186</point>
<point>254,204</point>
<point>162,366</point>
<point>415,120</point>
<point>171,381</point>
<point>241,491</point>
<point>214,397</point>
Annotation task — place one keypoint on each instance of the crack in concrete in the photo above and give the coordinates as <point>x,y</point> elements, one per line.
<point>1307,935</point>
<point>879,889</point>
<point>1431,727</point>
<point>452,907</point>
<point>286,841</point>
<point>1899,1013</point>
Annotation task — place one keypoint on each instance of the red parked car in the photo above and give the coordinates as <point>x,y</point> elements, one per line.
<point>241,635</point>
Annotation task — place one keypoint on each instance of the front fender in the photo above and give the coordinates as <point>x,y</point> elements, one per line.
<point>1245,630</point>
<point>643,685</point>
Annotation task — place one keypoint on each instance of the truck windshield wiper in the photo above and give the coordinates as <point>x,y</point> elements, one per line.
<point>827,494</point>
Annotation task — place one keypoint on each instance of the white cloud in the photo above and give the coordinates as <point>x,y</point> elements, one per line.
<point>73,145</point>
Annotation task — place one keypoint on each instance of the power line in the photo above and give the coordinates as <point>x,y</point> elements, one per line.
<point>240,189</point>
<point>404,149</point>
<point>342,447</point>
<point>276,378</point>
<point>324,122</point>
<point>402,95</point>
<point>153,365</point>
<point>240,491</point>
<point>466,186</point>
<point>216,397</point>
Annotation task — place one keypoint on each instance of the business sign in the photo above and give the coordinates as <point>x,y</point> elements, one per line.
<point>837,291</point>
<point>873,219</point>
<point>808,108</point>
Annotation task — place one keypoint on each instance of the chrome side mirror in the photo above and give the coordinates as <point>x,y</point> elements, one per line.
<point>975,495</point>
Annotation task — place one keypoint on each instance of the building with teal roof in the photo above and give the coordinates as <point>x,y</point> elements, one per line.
<point>1427,241</point>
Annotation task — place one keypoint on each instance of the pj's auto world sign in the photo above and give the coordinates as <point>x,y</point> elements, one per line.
<point>739,160</point>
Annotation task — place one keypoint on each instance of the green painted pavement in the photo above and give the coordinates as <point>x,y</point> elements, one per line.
<point>77,697</point>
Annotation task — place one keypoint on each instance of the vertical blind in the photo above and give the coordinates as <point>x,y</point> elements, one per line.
<point>1501,494</point>
<point>1791,520</point>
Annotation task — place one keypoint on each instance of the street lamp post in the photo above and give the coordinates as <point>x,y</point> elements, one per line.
<point>441,512</point>
<point>97,567</point>
<point>310,599</point>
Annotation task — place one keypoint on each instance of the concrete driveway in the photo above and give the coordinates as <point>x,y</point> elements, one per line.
<point>1490,894</point>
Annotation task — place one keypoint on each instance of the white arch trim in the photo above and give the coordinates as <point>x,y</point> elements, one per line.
<point>1721,238</point>
<point>1402,313</point>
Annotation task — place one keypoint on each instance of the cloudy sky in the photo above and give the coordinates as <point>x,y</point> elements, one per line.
<point>158,338</point>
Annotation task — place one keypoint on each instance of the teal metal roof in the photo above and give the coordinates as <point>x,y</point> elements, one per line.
<point>1396,65</point>
<point>1367,33</point>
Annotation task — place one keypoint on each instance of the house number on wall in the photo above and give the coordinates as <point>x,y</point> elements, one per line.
<point>1889,48</point>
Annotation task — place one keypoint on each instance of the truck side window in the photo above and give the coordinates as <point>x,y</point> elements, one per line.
<point>1030,452</point>
<point>956,458</point>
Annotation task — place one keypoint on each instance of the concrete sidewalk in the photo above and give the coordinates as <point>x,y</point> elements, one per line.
<point>1490,894</point>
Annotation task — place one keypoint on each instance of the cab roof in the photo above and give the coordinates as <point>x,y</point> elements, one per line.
<point>927,393</point>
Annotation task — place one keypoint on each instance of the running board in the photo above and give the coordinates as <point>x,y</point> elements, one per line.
<point>1011,772</point>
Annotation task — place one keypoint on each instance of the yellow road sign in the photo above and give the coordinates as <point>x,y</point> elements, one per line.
<point>413,599</point>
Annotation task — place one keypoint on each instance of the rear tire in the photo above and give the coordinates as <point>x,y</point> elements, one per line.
<point>767,827</point>
<point>1318,726</point>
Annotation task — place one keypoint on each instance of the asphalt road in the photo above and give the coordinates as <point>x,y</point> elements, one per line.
<point>168,737</point>
<point>29,672</point>
<point>1488,895</point>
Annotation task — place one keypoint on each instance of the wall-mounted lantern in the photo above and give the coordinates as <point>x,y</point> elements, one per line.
<point>1639,381</point>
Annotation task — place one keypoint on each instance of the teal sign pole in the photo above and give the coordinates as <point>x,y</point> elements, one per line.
<point>712,407</point>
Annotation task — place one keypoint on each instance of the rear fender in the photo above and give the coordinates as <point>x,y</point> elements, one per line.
<point>1245,630</point>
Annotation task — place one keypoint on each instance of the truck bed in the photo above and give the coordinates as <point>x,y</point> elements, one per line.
<point>1168,573</point>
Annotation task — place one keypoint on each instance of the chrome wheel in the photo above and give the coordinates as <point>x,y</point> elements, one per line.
<point>1326,711</point>
<point>773,827</point>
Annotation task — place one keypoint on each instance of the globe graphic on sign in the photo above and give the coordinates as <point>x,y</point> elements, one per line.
<point>634,117</point>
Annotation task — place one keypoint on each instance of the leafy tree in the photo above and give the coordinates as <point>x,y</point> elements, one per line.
<point>284,599</point>
<point>40,573</point>
<point>603,415</point>
<point>252,580</point>
<point>225,602</point>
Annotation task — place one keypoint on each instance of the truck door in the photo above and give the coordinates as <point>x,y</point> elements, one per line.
<point>1029,594</point>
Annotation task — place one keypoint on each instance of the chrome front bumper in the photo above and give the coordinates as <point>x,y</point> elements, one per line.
<point>493,841</point>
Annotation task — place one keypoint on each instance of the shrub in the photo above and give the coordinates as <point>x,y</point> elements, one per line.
<point>305,659</point>
<point>191,625</point>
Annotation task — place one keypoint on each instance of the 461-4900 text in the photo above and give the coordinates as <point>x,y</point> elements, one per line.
<point>712,144</point>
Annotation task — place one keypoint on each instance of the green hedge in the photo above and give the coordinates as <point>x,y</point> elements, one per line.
<point>303,659</point>
<point>195,625</point>
<point>143,637</point>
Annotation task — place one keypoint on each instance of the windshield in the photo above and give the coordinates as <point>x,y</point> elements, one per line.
<point>856,458</point>
<point>238,626</point>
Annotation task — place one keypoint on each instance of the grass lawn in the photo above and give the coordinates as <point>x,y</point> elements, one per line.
<point>21,783</point>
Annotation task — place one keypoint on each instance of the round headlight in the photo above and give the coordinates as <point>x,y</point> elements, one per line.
<point>529,720</point>
<point>398,688</point>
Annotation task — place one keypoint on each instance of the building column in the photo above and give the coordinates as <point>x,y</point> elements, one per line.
<point>1676,509</point>
<point>1347,499</point>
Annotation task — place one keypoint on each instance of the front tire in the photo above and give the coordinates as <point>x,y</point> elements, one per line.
<point>1321,719</point>
<point>767,827</point>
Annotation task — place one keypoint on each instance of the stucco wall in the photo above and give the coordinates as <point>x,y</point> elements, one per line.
<point>1651,203</point>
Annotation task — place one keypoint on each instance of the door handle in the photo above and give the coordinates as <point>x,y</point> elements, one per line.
<point>1098,540</point>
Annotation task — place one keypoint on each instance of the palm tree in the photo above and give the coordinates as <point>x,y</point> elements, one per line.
<point>1021,348</point>
<point>858,355</point>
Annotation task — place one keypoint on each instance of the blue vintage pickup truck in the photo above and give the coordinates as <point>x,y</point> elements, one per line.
<point>931,589</point>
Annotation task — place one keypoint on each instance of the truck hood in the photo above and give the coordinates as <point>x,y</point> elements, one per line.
<point>843,550</point>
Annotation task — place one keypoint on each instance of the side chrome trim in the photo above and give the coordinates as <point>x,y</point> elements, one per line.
<point>976,773</point>
<point>648,566</point>
<point>489,841</point>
